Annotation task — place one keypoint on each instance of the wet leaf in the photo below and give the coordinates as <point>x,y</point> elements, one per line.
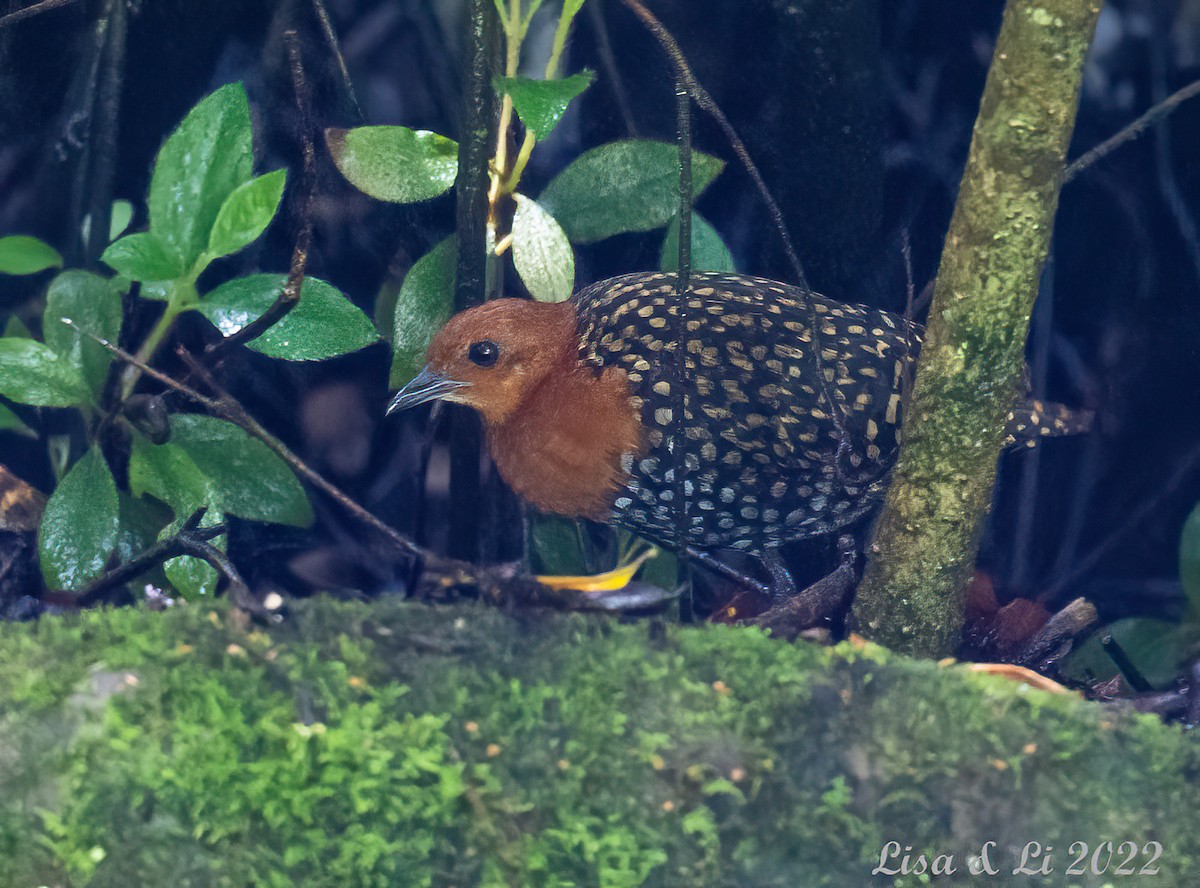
<point>33,373</point>
<point>92,303</point>
<point>246,213</point>
<point>21,254</point>
<point>394,163</point>
<point>623,186</point>
<point>541,253</point>
<point>142,257</point>
<point>541,104</point>
<point>214,463</point>
<point>709,252</point>
<point>80,525</point>
<point>323,324</point>
<point>203,161</point>
<point>192,576</point>
<point>425,303</point>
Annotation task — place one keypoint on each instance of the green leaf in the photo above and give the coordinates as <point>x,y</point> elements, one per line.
<point>541,104</point>
<point>119,217</point>
<point>189,575</point>
<point>33,373</point>
<point>16,328</point>
<point>95,306</point>
<point>143,257</point>
<point>425,303</point>
<point>214,463</point>
<point>80,525</point>
<point>21,254</point>
<point>1155,647</point>
<point>246,213</point>
<point>709,252</point>
<point>202,162</point>
<point>167,473</point>
<point>323,324</point>
<point>623,186</point>
<point>1189,561</point>
<point>10,422</point>
<point>541,252</point>
<point>394,163</point>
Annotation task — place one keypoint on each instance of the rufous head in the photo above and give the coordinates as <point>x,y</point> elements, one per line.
<point>493,356</point>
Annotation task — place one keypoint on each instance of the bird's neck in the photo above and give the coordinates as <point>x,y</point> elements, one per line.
<point>562,448</point>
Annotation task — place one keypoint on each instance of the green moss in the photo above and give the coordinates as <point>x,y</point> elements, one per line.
<point>395,744</point>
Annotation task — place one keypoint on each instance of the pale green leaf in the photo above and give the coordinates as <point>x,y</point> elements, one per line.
<point>541,253</point>
<point>394,163</point>
<point>143,257</point>
<point>246,213</point>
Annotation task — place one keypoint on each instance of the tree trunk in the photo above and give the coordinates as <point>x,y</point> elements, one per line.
<point>972,364</point>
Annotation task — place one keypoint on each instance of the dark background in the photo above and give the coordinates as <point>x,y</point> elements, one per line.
<point>859,113</point>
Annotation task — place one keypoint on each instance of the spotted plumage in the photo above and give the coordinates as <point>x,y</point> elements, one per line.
<point>770,453</point>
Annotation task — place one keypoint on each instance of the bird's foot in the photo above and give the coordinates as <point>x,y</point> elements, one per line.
<point>788,616</point>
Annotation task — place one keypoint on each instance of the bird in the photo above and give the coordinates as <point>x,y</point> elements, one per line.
<point>743,415</point>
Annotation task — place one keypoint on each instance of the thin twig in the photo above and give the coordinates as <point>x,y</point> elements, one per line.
<point>334,47</point>
<point>683,108</point>
<point>30,11</point>
<point>161,551</point>
<point>1130,132</point>
<point>290,294</point>
<point>701,97</point>
<point>228,407</point>
<point>612,74</point>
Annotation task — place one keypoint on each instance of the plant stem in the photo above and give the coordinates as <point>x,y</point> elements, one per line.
<point>183,295</point>
<point>513,178</point>
<point>512,43</point>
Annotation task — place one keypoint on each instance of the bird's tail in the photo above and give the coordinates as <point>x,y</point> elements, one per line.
<point>1034,420</point>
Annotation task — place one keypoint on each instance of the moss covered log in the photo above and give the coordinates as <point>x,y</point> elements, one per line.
<point>972,364</point>
<point>401,745</point>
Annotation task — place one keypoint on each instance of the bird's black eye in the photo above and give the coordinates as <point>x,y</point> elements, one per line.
<point>485,353</point>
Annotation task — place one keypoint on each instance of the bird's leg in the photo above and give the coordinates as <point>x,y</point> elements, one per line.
<point>788,616</point>
<point>704,559</point>
<point>782,584</point>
